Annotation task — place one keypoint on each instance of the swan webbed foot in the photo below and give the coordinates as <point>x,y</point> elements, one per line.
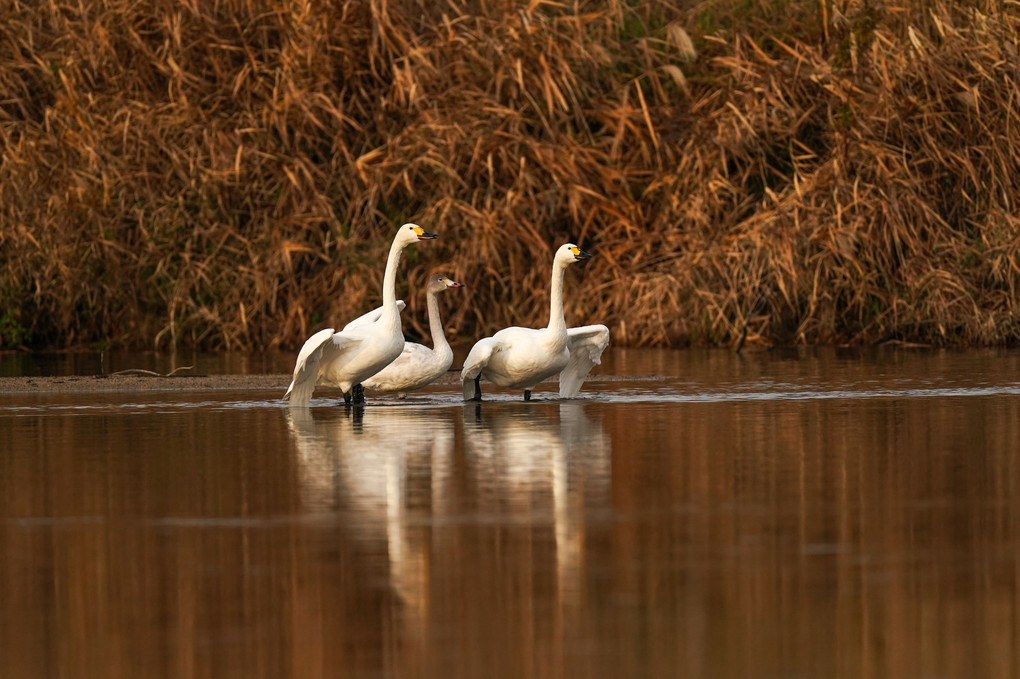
<point>478,389</point>
<point>527,394</point>
<point>358,393</point>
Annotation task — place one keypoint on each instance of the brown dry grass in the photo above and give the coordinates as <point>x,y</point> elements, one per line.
<point>229,174</point>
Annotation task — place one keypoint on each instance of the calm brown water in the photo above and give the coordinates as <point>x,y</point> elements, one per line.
<point>696,514</point>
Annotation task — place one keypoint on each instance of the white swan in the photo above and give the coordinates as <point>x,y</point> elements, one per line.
<point>365,346</point>
<point>523,357</point>
<point>418,365</point>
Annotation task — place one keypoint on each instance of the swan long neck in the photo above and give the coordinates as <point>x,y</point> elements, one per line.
<point>435,323</point>
<point>389,284</point>
<point>556,320</point>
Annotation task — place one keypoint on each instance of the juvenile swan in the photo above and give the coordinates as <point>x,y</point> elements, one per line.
<point>418,365</point>
<point>365,346</point>
<point>520,358</point>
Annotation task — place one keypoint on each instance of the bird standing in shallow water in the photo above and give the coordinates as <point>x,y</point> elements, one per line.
<point>418,365</point>
<point>364,347</point>
<point>520,358</point>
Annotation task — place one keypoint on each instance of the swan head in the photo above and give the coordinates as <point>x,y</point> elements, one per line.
<point>439,282</point>
<point>569,254</point>
<point>412,233</point>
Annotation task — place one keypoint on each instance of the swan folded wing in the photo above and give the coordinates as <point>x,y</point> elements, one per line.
<point>585,345</point>
<point>475,362</point>
<point>371,317</point>
<point>415,366</point>
<point>317,354</point>
<point>424,360</point>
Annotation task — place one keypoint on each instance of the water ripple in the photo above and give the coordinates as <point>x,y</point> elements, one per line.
<point>647,392</point>
<point>808,394</point>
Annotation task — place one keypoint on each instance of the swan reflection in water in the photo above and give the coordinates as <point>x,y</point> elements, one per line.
<point>370,468</point>
<point>391,471</point>
<point>525,454</point>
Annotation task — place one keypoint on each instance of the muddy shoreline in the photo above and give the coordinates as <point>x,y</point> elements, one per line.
<point>147,382</point>
<point>134,382</point>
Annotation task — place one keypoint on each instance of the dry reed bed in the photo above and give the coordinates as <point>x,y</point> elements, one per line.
<point>229,174</point>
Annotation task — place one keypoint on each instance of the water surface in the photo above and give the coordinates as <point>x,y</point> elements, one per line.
<point>796,513</point>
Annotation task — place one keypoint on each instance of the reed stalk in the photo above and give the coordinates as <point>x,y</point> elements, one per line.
<point>228,175</point>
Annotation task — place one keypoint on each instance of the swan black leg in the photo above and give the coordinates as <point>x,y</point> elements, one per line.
<point>359,394</point>
<point>347,399</point>
<point>527,394</point>
<point>478,389</point>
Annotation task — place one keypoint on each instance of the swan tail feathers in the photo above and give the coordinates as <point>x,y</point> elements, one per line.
<point>300,393</point>
<point>586,345</point>
<point>468,387</point>
<point>475,362</point>
<point>306,368</point>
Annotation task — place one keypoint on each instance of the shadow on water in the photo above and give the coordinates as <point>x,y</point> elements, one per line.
<point>692,515</point>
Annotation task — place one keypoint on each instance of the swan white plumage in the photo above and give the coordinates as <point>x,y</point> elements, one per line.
<point>418,365</point>
<point>365,346</point>
<point>522,357</point>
